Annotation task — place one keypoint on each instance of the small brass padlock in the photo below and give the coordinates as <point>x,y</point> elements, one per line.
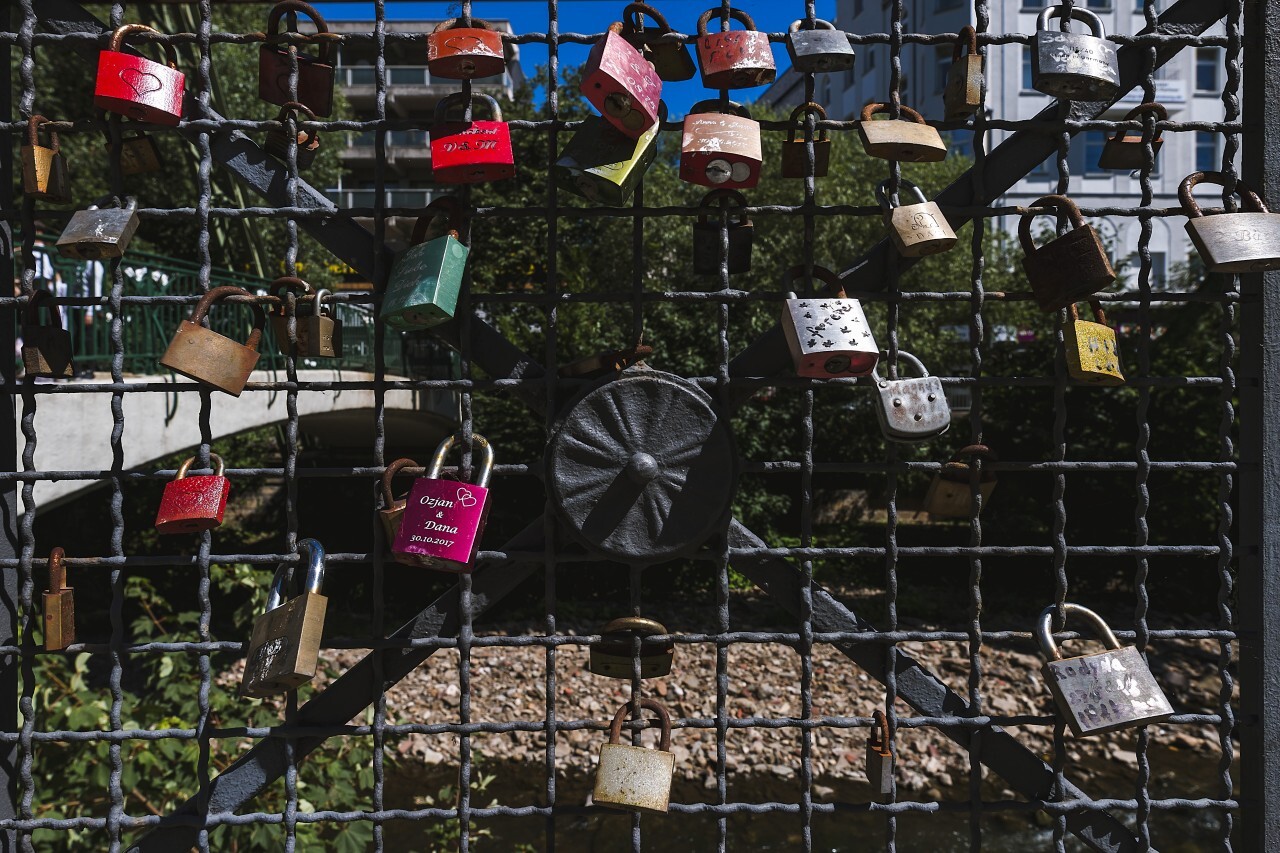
<point>206,356</point>
<point>795,152</point>
<point>734,59</point>
<point>1123,151</point>
<point>917,229</point>
<point>46,349</point>
<point>426,279</point>
<point>284,649</point>
<point>880,755</point>
<point>818,47</point>
<point>895,139</point>
<point>392,512</point>
<point>828,334</point>
<point>100,233</point>
<point>963,94</point>
<point>726,238</point>
<point>59,606</point>
<point>1069,268</point>
<point>1092,355</point>
<point>1073,66</point>
<point>911,409</point>
<point>621,84</point>
<point>1241,242</point>
<point>670,59</point>
<point>604,166</point>
<point>306,142</point>
<point>632,777</point>
<point>44,168</point>
<point>720,147</point>
<point>950,494</point>
<point>1102,692</point>
<point>613,656</point>
<point>303,306</point>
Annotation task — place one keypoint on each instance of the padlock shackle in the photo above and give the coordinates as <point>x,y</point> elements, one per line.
<point>187,463</point>
<point>118,38</point>
<point>217,294</point>
<point>637,11</point>
<point>615,728</point>
<point>452,209</point>
<point>1078,13</point>
<point>1056,201</point>
<point>882,194</point>
<point>980,450</point>
<point>1098,315</point>
<point>57,570</point>
<point>737,201</point>
<point>721,108</point>
<point>1044,628</point>
<point>456,24</point>
<point>31,314</point>
<point>880,738</point>
<point>322,36</point>
<point>874,109</point>
<point>797,120</point>
<point>1251,201</point>
<point>818,24</point>
<point>291,283</point>
<point>734,14</point>
<point>634,625</point>
<point>311,551</point>
<point>33,133</point>
<point>442,106</point>
<point>822,274</point>
<point>968,37</point>
<point>322,294</point>
<point>388,497</point>
<point>298,109</point>
<point>903,355</point>
<point>477,440</point>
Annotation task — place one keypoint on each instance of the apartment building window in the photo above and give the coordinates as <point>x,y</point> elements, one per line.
<point>1026,68</point>
<point>1140,6</point>
<point>857,8</point>
<point>941,67</point>
<point>1207,70</point>
<point>947,5</point>
<point>1206,152</point>
<point>1091,147</point>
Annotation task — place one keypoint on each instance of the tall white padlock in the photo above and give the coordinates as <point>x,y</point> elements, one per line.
<point>911,408</point>
<point>828,335</point>
<point>632,777</point>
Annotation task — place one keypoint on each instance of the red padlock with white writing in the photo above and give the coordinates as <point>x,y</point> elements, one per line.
<point>192,504</point>
<point>471,152</point>
<point>136,87</point>
<point>444,519</point>
<point>621,84</point>
<point>721,146</point>
<point>464,52</point>
<point>734,59</point>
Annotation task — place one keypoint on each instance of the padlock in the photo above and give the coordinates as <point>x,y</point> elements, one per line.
<point>619,83</point>
<point>324,330</point>
<point>795,152</point>
<point>879,765</point>
<point>632,777</point>
<point>1123,151</point>
<point>444,519</point>
<point>1067,269</point>
<point>895,139</point>
<point>612,657</point>
<point>206,356</point>
<point>307,141</point>
<point>604,166</point>
<point>191,504</point>
<point>315,73</point>
<point>284,648</point>
<point>470,152</point>
<point>914,408</point>
<point>59,606</point>
<point>734,59</point>
<point>950,494</point>
<point>818,48</point>
<point>44,168</point>
<point>392,512</point>
<point>303,306</point>
<point>1092,355</point>
<point>917,229</point>
<point>962,96</point>
<point>464,52</point>
<point>670,59</point>
<point>828,335</point>
<point>1245,241</point>
<point>730,215</point>
<point>100,233</point>
<point>1102,692</point>
<point>721,146</point>
<point>46,349</point>
<point>425,280</point>
<point>1073,66</point>
<point>138,153</point>
<point>136,87</point>
<point>603,363</point>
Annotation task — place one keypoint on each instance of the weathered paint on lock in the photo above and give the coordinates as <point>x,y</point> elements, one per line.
<point>619,83</point>
<point>962,96</point>
<point>136,87</point>
<point>193,503</point>
<point>734,59</point>
<point>44,167</point>
<point>909,140</point>
<point>631,777</point>
<point>612,655</point>
<point>424,285</point>
<point>475,152</point>
<point>315,73</point>
<point>284,648</point>
<point>99,233</point>
<point>720,149</point>
<point>206,356</point>
<point>1092,355</point>
<point>912,408</point>
<point>820,49</point>
<point>455,52</point>
<point>444,519</point>
<point>1073,66</point>
<point>603,165</point>
<point>828,335</point>
<point>1126,151</point>
<point>1242,242</point>
<point>1067,269</point>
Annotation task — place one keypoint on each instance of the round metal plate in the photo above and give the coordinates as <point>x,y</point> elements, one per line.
<point>642,469</point>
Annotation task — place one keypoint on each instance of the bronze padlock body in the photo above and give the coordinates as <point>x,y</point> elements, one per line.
<point>139,155</point>
<point>44,168</point>
<point>46,349</point>
<point>284,649</point>
<point>907,139</point>
<point>206,356</point>
<point>59,606</point>
<point>963,95</point>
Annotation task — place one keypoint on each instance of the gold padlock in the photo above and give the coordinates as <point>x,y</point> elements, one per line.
<point>392,512</point>
<point>284,649</point>
<point>917,229</point>
<point>950,494</point>
<point>894,139</point>
<point>1092,355</point>
<point>795,152</point>
<point>44,168</point>
<point>59,606</point>
<point>206,356</point>
<point>963,95</point>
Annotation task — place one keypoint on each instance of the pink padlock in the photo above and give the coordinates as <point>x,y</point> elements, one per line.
<point>444,519</point>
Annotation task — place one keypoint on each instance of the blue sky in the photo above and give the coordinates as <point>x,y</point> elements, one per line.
<point>592,16</point>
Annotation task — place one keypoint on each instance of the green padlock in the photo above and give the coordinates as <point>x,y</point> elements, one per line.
<point>424,285</point>
<point>602,165</point>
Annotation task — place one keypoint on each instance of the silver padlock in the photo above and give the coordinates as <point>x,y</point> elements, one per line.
<point>1102,692</point>
<point>632,777</point>
<point>828,335</point>
<point>880,755</point>
<point>911,409</point>
<point>100,233</point>
<point>1246,241</point>
<point>1074,66</point>
<point>917,229</point>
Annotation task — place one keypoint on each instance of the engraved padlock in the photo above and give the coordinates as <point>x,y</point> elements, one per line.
<point>136,87</point>
<point>722,233</point>
<point>1123,151</point>
<point>444,519</point>
<point>828,334</point>
<point>100,233</point>
<point>457,51</point>
<point>670,59</point>
<point>46,348</point>
<point>734,59</point>
<point>632,777</point>
<point>879,763</point>
<point>896,139</point>
<point>465,152</point>
<point>284,648</point>
<point>962,96</point>
<point>1245,241</point>
<point>816,46</point>
<point>795,152</point>
<point>392,512</point>
<point>1069,268</point>
<point>1073,66</point>
<point>425,280</point>
<point>1092,355</point>
<point>625,639</point>
<point>950,494</point>
<point>44,167</point>
<point>206,356</point>
<point>1102,692</point>
<point>621,84</point>
<point>192,503</point>
<point>720,146</point>
<point>913,408</point>
<point>289,135</point>
<point>59,606</point>
<point>917,229</point>
<point>315,73</point>
<point>604,166</point>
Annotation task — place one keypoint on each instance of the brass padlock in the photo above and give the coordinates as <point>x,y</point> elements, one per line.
<point>725,239</point>
<point>1123,151</point>
<point>59,606</point>
<point>950,494</point>
<point>1068,269</point>
<point>100,233</point>
<point>604,166</point>
<point>913,408</point>
<point>894,139</point>
<point>46,349</point>
<point>917,229</point>
<point>392,512</point>
<point>817,46</point>
<point>1102,692</point>
<point>670,59</point>
<point>284,649</point>
<point>206,356</point>
<point>828,334</point>
<point>795,152</point>
<point>44,168</point>
<point>963,94</point>
<point>631,777</point>
<point>614,655</point>
<point>138,153</point>
<point>303,305</point>
<point>306,142</point>
<point>1092,355</point>
<point>720,146</point>
<point>324,331</point>
<point>880,755</point>
<point>1245,241</point>
<point>1073,66</point>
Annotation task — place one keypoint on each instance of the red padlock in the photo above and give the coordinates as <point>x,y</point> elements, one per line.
<point>621,84</point>
<point>721,146</point>
<point>470,152</point>
<point>136,87</point>
<point>192,504</point>
<point>315,73</point>
<point>734,59</point>
<point>455,52</point>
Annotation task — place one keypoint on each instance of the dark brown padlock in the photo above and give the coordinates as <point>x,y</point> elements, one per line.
<point>670,59</point>
<point>206,356</point>
<point>795,154</point>
<point>1068,269</point>
<point>139,155</point>
<point>950,494</point>
<point>910,141</point>
<point>307,141</point>
<point>734,59</point>
<point>44,168</point>
<point>392,512</point>
<point>604,363</point>
<point>457,51</point>
<point>963,94</point>
<point>1126,152</point>
<point>59,606</point>
<point>709,232</point>
<point>46,349</point>
<point>303,305</point>
<point>315,73</point>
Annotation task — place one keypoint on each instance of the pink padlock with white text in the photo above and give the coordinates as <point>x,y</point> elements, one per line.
<point>444,519</point>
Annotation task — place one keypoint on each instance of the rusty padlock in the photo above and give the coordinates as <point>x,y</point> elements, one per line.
<point>1123,151</point>
<point>917,229</point>
<point>911,408</point>
<point>894,139</point>
<point>721,146</point>
<point>621,84</point>
<point>879,764</point>
<point>284,648</point>
<point>1073,66</point>
<point>816,46</point>
<point>392,512</point>
<point>708,234</point>
<point>670,59</point>
<point>100,233</point>
<point>604,166</point>
<point>734,59</point>
<point>950,494</point>
<point>59,606</point>
<point>1092,355</point>
<point>306,142</point>
<point>136,87</point>
<point>44,168</point>
<point>1068,269</point>
<point>828,334</point>
<point>1241,242</point>
<point>612,657</point>
<point>315,73</point>
<point>632,777</point>
<point>191,504</point>
<point>470,152</point>
<point>457,51</point>
<point>604,363</point>
<point>795,152</point>
<point>963,94</point>
<point>46,349</point>
<point>206,356</point>
<point>317,335</point>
